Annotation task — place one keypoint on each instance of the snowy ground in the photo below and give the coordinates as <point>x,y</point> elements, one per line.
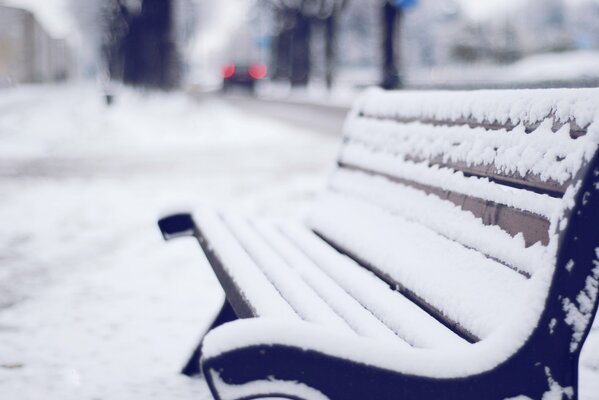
<point>93,305</point>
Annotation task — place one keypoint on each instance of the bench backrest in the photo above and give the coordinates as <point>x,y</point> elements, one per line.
<point>497,172</point>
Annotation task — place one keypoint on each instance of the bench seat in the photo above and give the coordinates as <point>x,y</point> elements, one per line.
<point>319,285</point>
<point>459,283</point>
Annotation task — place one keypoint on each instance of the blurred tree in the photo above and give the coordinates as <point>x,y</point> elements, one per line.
<point>116,18</point>
<point>330,38</point>
<point>101,28</point>
<point>391,16</point>
<point>291,59</point>
<point>135,39</point>
<point>300,50</point>
<point>281,48</point>
<point>148,50</point>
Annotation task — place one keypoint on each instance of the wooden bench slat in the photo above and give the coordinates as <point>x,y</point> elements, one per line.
<point>297,293</point>
<point>575,130</point>
<point>408,320</point>
<point>418,301</point>
<point>448,180</point>
<point>532,227</point>
<point>359,318</point>
<point>442,217</point>
<point>469,289</point>
<point>542,161</point>
<point>238,273</point>
<point>514,179</point>
<point>573,110</point>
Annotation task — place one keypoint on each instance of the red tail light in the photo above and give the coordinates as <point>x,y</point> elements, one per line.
<point>228,71</point>
<point>258,71</point>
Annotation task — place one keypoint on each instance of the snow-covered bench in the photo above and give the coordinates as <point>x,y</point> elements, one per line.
<point>454,255</point>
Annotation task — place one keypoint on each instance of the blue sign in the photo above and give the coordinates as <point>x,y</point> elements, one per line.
<point>405,4</point>
<point>263,42</point>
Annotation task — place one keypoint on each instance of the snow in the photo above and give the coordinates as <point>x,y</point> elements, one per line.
<point>93,303</point>
<point>464,285</point>
<point>517,106</point>
<point>556,391</point>
<point>254,282</point>
<point>414,205</point>
<point>268,388</point>
<point>549,155</point>
<point>296,293</point>
<point>360,319</point>
<point>409,321</point>
<point>573,68</point>
<point>564,66</point>
<point>420,172</point>
<point>579,314</point>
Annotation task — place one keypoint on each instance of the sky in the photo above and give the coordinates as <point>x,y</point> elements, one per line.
<point>225,17</point>
<point>55,15</point>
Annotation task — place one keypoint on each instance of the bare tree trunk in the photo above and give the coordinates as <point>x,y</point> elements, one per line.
<point>140,50</point>
<point>391,19</point>
<point>330,29</point>
<point>300,50</point>
<point>281,68</point>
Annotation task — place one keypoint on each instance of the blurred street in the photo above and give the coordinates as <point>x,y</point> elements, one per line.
<point>93,304</point>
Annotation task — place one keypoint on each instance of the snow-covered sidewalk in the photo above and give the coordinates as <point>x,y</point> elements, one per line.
<point>93,304</point>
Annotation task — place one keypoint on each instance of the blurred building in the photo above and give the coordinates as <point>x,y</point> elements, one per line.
<point>28,53</point>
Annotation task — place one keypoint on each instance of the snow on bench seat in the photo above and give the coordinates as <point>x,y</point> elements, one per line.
<point>475,292</point>
<point>238,273</point>
<point>359,318</point>
<point>320,285</point>
<point>409,321</point>
<point>297,287</point>
<point>299,295</point>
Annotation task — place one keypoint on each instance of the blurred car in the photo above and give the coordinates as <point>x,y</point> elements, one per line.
<point>244,76</point>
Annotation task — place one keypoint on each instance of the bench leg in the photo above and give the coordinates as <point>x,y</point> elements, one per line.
<point>226,314</point>
<point>181,225</point>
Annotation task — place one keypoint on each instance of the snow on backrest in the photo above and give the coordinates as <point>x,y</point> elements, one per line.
<point>508,157</point>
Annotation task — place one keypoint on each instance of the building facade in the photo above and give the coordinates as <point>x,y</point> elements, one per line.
<point>28,54</point>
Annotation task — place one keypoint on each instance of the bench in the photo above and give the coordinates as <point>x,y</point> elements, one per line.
<point>453,255</point>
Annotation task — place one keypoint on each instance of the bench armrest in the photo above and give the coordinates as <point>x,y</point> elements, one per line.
<point>251,357</point>
<point>304,336</point>
<point>177,225</point>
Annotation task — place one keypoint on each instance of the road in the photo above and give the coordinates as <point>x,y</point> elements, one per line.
<point>318,118</point>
